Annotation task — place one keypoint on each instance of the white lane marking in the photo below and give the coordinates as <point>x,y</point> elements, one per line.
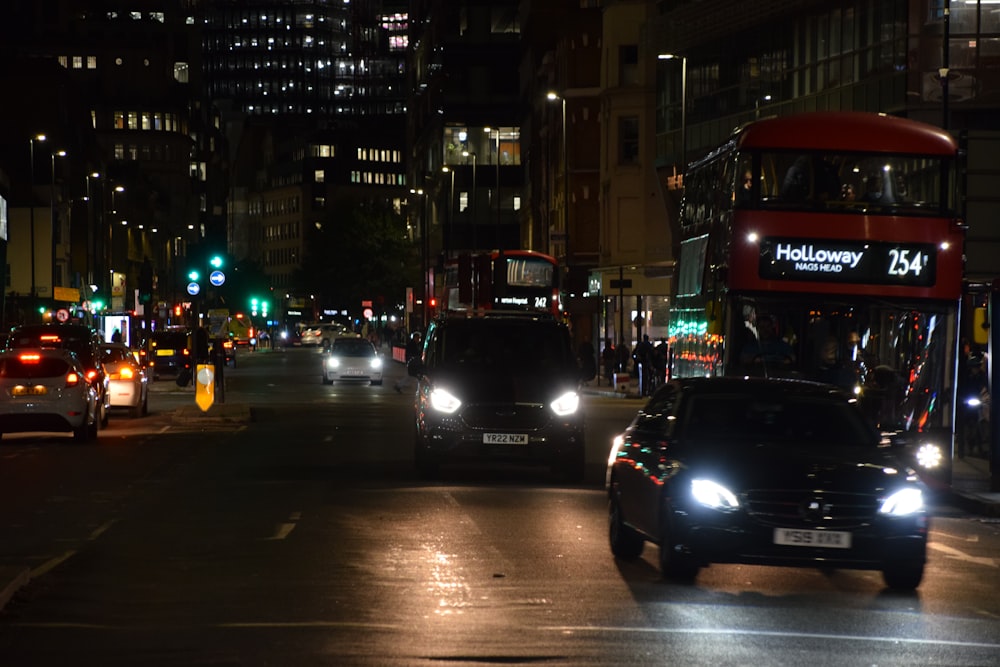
<point>284,529</point>
<point>50,564</point>
<point>101,529</point>
<point>962,556</point>
<point>571,629</point>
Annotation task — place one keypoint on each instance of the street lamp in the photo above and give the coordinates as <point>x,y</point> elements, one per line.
<point>53,223</point>
<point>475,243</point>
<point>31,204</point>
<point>552,96</point>
<point>451,203</point>
<point>496,156</point>
<point>91,236</point>
<point>684,68</point>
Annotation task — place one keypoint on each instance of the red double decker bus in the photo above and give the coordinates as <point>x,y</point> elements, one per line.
<point>826,246</point>
<point>501,280</point>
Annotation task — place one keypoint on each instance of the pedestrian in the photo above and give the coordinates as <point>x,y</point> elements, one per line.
<point>608,357</point>
<point>643,358</point>
<point>116,336</point>
<point>414,347</point>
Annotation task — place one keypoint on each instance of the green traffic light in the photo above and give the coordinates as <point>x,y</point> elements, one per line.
<point>193,275</point>
<point>216,261</point>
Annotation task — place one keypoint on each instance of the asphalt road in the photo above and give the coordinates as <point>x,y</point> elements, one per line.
<point>286,527</point>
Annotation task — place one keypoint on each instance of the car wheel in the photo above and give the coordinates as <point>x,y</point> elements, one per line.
<point>674,563</point>
<point>573,469</point>
<point>376,383</point>
<point>903,576</point>
<point>145,405</point>
<point>104,415</point>
<point>327,380</point>
<point>626,542</point>
<point>92,430</point>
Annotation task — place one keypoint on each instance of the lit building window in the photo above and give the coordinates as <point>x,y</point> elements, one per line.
<point>64,61</point>
<point>77,62</point>
<point>319,176</point>
<point>91,62</point>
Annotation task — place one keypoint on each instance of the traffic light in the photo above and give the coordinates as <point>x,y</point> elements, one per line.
<point>216,261</point>
<point>178,310</point>
<point>193,275</point>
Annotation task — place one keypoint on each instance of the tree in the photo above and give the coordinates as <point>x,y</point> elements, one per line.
<point>361,252</point>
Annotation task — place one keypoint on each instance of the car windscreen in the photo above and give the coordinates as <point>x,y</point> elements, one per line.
<point>353,347</point>
<point>505,345</point>
<point>16,368</point>
<point>741,418</point>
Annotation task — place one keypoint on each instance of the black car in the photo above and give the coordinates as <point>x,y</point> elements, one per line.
<point>169,353</point>
<point>498,388</point>
<point>764,471</point>
<point>83,340</point>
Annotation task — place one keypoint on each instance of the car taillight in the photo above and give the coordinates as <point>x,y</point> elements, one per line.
<point>29,358</point>
<point>126,373</point>
<point>91,375</point>
<point>72,379</point>
<point>186,352</point>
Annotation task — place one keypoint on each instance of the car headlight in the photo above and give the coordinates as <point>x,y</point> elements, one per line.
<point>714,495</point>
<point>332,362</point>
<point>903,502</point>
<point>376,364</point>
<point>443,401</point>
<point>929,456</point>
<point>566,404</point>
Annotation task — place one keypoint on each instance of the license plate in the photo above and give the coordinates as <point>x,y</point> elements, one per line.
<point>164,353</point>
<point>505,439</point>
<point>829,539</point>
<point>353,371</point>
<point>37,390</point>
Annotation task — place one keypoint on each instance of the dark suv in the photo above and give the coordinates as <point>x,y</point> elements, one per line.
<point>82,340</point>
<point>498,388</point>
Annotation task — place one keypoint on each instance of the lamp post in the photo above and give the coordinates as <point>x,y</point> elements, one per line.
<point>54,223</point>
<point>91,236</point>
<point>684,67</point>
<point>552,96</point>
<point>475,242</point>
<point>451,203</point>
<point>110,249</point>
<point>496,156</point>
<point>31,205</point>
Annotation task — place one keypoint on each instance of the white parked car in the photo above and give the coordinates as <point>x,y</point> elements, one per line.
<point>46,389</point>
<point>323,335</point>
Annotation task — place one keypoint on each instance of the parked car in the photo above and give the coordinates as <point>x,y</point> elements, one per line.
<point>82,340</point>
<point>324,335</point>
<point>169,353</point>
<point>767,472</point>
<point>46,389</point>
<point>498,388</point>
<point>127,383</point>
<point>352,359</point>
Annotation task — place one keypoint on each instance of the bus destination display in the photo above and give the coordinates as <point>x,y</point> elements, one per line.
<point>836,260</point>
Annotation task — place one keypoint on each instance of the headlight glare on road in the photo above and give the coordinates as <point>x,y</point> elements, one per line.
<point>443,401</point>
<point>566,404</point>
<point>714,495</point>
<point>903,502</point>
